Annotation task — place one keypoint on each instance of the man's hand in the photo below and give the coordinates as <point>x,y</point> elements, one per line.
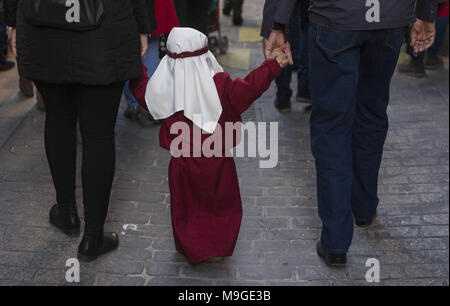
<point>14,41</point>
<point>423,34</point>
<point>144,45</point>
<point>277,40</point>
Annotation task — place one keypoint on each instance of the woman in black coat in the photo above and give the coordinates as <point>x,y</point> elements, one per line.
<point>80,73</point>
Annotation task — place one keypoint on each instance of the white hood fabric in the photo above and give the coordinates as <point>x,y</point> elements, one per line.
<point>186,84</point>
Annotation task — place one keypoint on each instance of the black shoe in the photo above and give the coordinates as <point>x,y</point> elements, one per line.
<point>283,107</point>
<point>414,68</point>
<point>95,244</point>
<point>227,7</point>
<point>433,61</point>
<point>303,95</point>
<point>365,224</point>
<point>6,65</point>
<point>237,19</point>
<point>333,260</point>
<point>66,219</point>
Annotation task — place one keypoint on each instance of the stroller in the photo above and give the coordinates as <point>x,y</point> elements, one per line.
<point>217,44</point>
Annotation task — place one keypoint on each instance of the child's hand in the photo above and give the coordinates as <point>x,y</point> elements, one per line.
<point>280,57</point>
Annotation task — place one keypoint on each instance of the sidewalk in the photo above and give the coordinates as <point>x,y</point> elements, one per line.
<point>280,226</point>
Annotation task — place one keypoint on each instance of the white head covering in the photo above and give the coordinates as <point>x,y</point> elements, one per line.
<point>186,84</point>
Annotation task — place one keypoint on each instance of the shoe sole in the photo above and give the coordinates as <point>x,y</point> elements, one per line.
<point>335,265</point>
<point>435,67</point>
<point>415,75</point>
<point>284,110</point>
<point>86,259</point>
<point>69,232</point>
<point>303,100</point>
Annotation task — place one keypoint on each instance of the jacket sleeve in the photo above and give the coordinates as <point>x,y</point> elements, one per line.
<point>278,11</point>
<point>144,10</point>
<point>243,92</point>
<point>427,9</point>
<point>10,12</point>
<point>138,88</point>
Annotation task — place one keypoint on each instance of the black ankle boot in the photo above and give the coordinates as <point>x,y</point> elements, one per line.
<point>65,218</point>
<point>332,260</point>
<point>95,244</point>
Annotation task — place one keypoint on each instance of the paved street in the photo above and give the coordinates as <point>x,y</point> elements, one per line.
<point>280,227</point>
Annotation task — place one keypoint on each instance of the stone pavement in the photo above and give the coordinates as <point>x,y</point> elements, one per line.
<point>280,226</point>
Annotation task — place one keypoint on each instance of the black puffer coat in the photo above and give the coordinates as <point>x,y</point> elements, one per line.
<point>108,54</point>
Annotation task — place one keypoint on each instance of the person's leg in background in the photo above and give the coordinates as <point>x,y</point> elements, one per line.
<point>378,61</point>
<point>303,93</point>
<point>97,107</point>
<point>151,61</point>
<point>61,151</point>
<point>284,91</point>
<point>237,12</point>
<point>4,63</point>
<point>432,59</point>
<point>197,15</point>
<point>334,73</point>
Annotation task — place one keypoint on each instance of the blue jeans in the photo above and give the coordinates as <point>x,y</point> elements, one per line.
<point>441,27</point>
<point>298,38</point>
<point>3,38</point>
<point>151,62</point>
<point>350,77</point>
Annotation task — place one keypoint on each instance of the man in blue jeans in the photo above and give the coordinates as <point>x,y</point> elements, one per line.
<point>298,39</point>
<point>354,47</point>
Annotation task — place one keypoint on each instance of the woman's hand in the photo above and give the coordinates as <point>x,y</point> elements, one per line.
<point>144,45</point>
<point>14,41</point>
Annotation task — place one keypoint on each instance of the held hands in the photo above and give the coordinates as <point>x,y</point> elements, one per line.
<point>277,40</point>
<point>280,57</point>
<point>423,34</point>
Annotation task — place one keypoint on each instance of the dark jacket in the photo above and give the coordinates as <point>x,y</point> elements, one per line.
<point>351,14</point>
<point>106,55</point>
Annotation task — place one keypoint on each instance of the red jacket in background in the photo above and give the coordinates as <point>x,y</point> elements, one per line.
<point>443,10</point>
<point>166,17</point>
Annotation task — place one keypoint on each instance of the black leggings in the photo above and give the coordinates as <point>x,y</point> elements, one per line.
<point>95,108</point>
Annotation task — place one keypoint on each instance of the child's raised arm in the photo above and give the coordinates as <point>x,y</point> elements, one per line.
<point>138,88</point>
<point>243,92</point>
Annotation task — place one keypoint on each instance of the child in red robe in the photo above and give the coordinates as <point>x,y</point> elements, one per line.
<point>206,203</point>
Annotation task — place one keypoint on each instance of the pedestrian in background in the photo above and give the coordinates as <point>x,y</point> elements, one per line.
<point>353,55</point>
<point>430,60</point>
<point>166,18</point>
<point>5,64</point>
<point>26,86</point>
<point>298,38</point>
<point>236,7</point>
<point>193,14</point>
<point>80,69</point>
